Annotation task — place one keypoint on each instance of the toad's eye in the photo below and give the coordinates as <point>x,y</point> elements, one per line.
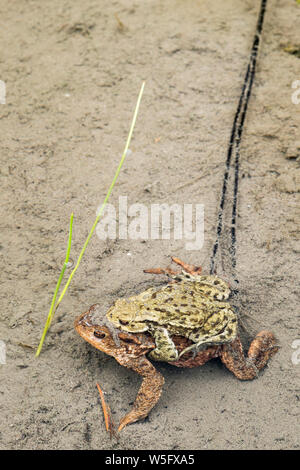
<point>123,322</point>
<point>99,334</point>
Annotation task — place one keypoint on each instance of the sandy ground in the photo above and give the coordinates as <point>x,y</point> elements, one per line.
<point>72,75</point>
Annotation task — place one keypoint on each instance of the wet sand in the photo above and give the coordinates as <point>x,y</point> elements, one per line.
<point>72,73</point>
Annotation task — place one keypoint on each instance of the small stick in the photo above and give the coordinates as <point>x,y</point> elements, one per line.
<point>121,25</point>
<point>109,424</point>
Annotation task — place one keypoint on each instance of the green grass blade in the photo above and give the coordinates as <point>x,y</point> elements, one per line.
<point>106,197</point>
<point>54,308</point>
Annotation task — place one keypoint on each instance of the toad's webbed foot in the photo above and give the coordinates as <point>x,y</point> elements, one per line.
<point>262,348</point>
<point>189,268</point>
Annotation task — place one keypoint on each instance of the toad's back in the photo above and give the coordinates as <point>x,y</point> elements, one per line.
<point>189,308</point>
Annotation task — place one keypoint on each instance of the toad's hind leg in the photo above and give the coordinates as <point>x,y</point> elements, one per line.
<point>262,348</point>
<point>149,392</point>
<point>223,334</point>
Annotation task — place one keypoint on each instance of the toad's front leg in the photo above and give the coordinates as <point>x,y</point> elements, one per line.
<point>149,392</point>
<point>262,348</point>
<point>165,350</point>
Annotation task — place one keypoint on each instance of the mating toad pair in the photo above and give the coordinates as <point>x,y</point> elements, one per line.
<point>185,323</point>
